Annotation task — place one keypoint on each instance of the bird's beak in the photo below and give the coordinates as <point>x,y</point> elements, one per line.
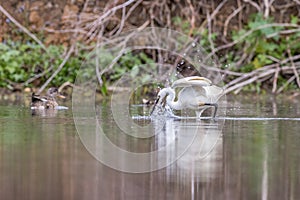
<point>155,103</point>
<point>61,96</point>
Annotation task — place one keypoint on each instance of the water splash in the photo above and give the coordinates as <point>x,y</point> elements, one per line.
<point>162,111</point>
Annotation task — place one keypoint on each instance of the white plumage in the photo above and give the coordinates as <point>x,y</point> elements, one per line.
<point>197,93</point>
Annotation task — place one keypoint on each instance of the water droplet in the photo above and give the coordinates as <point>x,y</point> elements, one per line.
<point>193,44</point>
<point>184,54</point>
<point>182,62</point>
<point>227,65</point>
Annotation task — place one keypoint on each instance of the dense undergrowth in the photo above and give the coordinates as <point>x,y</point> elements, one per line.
<point>21,62</point>
<point>260,45</point>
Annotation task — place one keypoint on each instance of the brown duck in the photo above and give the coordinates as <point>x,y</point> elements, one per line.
<point>46,102</point>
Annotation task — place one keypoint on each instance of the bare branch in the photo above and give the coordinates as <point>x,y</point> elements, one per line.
<point>275,80</point>
<point>58,69</point>
<point>95,24</point>
<point>293,66</point>
<point>38,75</point>
<point>253,4</point>
<point>212,16</point>
<point>235,12</point>
<point>22,27</point>
<point>249,33</point>
<point>285,84</point>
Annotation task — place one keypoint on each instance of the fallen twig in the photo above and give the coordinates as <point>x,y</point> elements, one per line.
<point>65,84</point>
<point>263,74</point>
<point>275,79</point>
<point>285,85</point>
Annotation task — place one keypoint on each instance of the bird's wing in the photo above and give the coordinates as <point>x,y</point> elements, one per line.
<point>192,81</point>
<point>38,98</point>
<point>213,92</point>
<point>189,94</point>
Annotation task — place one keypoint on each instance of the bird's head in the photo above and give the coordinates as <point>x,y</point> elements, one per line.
<point>162,94</point>
<point>161,98</point>
<point>53,92</point>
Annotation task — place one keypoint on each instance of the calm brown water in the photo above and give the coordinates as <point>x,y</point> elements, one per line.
<point>42,157</point>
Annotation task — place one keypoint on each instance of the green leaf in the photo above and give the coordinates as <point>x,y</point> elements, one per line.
<point>17,77</point>
<point>177,20</point>
<point>256,63</point>
<point>294,19</point>
<point>3,47</point>
<point>134,71</point>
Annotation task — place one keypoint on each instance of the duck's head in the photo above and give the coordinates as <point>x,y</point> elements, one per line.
<point>53,92</point>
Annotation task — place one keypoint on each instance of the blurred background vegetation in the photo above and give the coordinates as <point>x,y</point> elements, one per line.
<point>257,42</point>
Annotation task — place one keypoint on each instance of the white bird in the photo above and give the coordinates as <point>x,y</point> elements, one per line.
<point>198,94</point>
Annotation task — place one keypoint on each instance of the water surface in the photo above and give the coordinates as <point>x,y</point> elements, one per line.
<point>42,156</point>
